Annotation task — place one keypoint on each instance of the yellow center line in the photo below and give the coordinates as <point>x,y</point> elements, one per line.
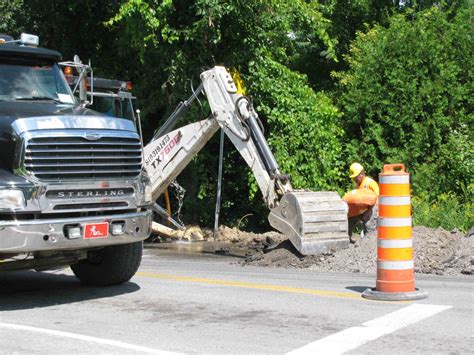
<point>252,285</point>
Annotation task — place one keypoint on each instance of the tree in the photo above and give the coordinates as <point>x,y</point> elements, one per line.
<point>9,10</point>
<point>264,40</point>
<point>73,27</point>
<point>408,97</point>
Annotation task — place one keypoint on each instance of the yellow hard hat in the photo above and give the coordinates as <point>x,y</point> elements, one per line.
<point>355,170</point>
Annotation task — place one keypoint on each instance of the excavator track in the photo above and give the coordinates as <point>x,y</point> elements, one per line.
<point>315,222</point>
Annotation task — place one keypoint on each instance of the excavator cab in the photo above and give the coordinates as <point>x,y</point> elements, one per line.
<point>315,222</point>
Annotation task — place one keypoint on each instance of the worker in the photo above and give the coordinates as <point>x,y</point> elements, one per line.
<point>362,181</point>
<point>368,218</point>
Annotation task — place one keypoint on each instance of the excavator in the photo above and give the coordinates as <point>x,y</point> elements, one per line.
<point>314,222</point>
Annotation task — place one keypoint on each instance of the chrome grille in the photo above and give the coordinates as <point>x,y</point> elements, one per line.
<point>61,158</point>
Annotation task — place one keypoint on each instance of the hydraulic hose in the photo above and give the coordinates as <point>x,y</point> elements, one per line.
<point>179,112</point>
<point>249,118</point>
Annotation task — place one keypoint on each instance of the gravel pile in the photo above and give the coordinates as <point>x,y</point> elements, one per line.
<point>437,252</point>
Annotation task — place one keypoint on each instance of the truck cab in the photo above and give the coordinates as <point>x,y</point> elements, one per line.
<point>112,97</point>
<point>73,190</point>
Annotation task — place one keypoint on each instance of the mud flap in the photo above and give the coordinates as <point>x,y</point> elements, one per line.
<point>315,222</point>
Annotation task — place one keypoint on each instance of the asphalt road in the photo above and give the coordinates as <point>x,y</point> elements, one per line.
<point>184,303</point>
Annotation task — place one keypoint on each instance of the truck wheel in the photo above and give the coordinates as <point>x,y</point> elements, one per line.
<point>109,266</point>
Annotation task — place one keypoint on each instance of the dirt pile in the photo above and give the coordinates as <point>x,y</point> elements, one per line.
<point>437,252</point>
<point>443,253</point>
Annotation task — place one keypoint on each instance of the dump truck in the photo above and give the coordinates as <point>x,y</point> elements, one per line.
<point>73,189</point>
<point>315,222</point>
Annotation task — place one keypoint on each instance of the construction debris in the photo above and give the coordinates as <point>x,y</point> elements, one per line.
<point>437,251</point>
<point>192,233</point>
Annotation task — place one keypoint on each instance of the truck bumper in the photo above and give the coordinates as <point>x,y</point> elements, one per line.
<point>50,234</point>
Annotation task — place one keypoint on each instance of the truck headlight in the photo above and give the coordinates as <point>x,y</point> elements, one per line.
<point>12,199</point>
<point>148,196</point>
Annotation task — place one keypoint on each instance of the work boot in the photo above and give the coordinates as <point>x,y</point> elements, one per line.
<point>353,238</point>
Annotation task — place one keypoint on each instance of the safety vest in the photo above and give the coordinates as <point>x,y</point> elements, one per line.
<point>369,184</point>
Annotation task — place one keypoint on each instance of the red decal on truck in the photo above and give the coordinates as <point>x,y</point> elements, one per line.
<point>96,230</point>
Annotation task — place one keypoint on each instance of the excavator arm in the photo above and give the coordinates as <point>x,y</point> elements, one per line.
<point>315,222</point>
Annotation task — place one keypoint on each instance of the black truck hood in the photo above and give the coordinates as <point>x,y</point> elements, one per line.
<point>11,111</point>
<point>18,117</point>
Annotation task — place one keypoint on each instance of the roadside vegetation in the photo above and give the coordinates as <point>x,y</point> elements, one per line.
<point>334,81</point>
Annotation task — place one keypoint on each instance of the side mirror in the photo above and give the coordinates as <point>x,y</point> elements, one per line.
<point>82,81</point>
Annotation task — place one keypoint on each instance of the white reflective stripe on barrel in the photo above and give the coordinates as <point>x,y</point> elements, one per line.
<point>394,179</point>
<point>395,243</point>
<point>394,222</point>
<point>395,265</point>
<point>394,200</point>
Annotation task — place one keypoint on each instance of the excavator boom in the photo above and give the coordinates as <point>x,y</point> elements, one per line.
<point>315,222</point>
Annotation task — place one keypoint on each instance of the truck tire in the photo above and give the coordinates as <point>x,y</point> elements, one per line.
<point>111,265</point>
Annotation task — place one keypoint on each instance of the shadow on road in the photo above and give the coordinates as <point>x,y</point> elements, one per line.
<point>30,289</point>
<point>359,289</point>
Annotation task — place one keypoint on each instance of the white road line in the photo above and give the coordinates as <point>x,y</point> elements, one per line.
<point>354,337</point>
<point>115,343</point>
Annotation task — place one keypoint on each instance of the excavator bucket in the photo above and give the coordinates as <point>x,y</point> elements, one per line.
<point>315,222</point>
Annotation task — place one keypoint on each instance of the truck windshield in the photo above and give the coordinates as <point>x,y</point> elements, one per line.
<point>37,82</point>
<point>113,106</point>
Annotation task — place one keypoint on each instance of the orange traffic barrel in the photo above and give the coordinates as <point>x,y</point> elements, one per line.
<point>395,267</point>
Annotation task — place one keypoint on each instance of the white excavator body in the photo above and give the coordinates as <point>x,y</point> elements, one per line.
<point>315,222</point>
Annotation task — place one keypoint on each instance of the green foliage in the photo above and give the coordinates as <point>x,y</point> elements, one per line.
<point>223,29</point>
<point>176,39</point>
<point>347,17</point>
<point>404,86</point>
<point>447,211</point>
<point>72,27</point>
<point>304,134</point>
<point>408,97</point>
<point>9,10</point>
